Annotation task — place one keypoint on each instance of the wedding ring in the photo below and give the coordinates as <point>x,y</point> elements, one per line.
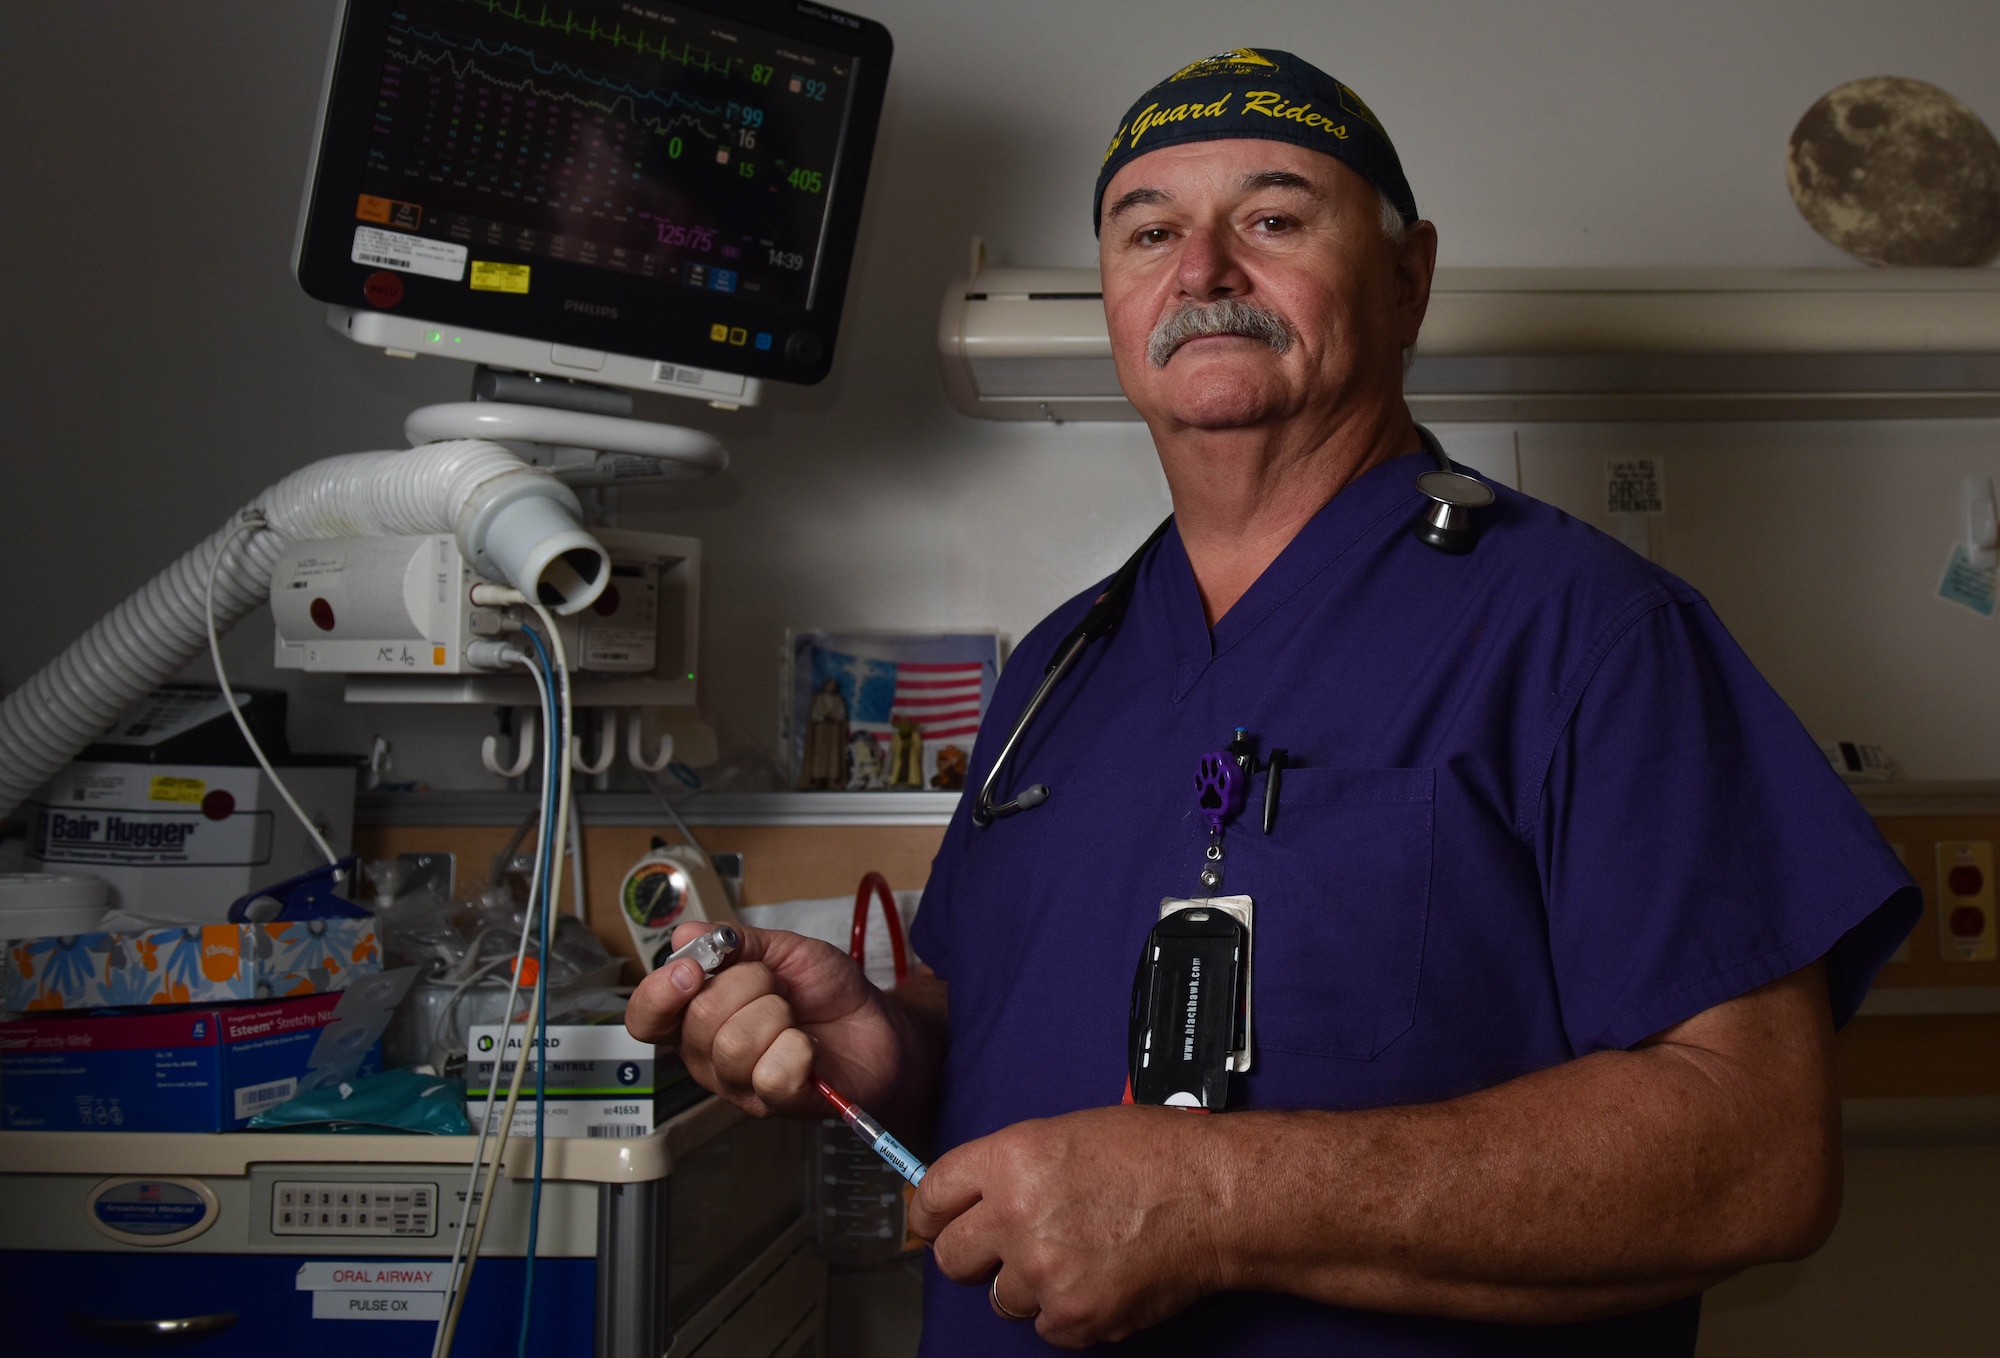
<point>993,1297</point>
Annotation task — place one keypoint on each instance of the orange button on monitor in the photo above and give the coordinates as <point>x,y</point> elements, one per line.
<point>388,212</point>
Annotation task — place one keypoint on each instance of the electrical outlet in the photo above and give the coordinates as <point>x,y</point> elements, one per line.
<point>1965,912</point>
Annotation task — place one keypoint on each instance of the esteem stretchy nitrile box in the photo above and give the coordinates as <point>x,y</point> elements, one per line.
<point>175,1070</point>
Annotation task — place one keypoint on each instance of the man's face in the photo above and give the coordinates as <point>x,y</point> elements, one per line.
<point>1295,238</point>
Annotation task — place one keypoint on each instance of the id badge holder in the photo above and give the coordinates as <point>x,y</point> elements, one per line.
<point>1189,1024</point>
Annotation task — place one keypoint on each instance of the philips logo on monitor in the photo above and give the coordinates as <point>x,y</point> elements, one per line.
<point>609,313</point>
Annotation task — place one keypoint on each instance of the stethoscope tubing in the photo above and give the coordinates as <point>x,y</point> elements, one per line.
<point>984,811</point>
<point>1104,615</point>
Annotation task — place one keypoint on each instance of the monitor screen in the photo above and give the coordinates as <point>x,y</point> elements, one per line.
<point>670,181</point>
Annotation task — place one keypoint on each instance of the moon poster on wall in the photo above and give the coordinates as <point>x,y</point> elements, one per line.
<point>1896,171</point>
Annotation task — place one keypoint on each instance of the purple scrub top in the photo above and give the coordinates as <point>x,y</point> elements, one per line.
<point>1541,806</point>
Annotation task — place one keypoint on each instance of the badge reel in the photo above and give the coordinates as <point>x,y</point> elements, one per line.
<point>1189,1026</point>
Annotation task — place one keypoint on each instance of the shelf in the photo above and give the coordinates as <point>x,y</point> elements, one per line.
<point>577,1159</point>
<point>641,808</point>
<point>932,808</point>
<point>1962,798</point>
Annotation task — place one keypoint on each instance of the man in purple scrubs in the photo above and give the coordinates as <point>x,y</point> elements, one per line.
<point>1554,920</point>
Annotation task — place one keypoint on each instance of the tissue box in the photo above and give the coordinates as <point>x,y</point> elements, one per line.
<point>181,1070</point>
<point>187,964</point>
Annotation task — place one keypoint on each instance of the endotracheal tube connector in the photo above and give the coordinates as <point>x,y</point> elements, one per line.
<point>709,951</point>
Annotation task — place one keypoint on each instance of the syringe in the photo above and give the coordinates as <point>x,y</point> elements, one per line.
<point>709,952</point>
<point>892,1151</point>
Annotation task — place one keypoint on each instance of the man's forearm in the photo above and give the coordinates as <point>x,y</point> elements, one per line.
<point>1617,1181</point>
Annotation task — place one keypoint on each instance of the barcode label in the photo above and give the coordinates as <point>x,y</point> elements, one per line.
<point>623,1131</point>
<point>256,1098</point>
<point>409,254</point>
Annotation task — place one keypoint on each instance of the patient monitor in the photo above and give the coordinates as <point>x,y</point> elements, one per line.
<point>651,196</point>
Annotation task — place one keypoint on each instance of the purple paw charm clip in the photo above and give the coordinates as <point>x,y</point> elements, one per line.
<point>1220,789</point>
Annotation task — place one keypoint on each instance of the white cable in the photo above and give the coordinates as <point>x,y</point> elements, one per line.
<point>576,858</point>
<point>244,525</point>
<point>469,963</point>
<point>448,1327</point>
<point>457,1282</point>
<point>461,1283</point>
<point>564,812</point>
<point>440,1048</point>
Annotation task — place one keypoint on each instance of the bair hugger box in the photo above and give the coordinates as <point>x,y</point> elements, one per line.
<point>601,1082</point>
<point>170,807</point>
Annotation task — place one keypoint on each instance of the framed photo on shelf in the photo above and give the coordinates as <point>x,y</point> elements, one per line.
<point>877,711</point>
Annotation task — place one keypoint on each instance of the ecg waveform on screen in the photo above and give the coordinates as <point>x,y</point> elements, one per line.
<point>615,35</point>
<point>621,93</point>
<point>579,142</point>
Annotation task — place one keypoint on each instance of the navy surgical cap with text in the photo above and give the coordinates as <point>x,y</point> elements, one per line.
<point>1264,94</point>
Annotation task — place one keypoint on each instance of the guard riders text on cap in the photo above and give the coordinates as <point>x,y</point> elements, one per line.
<point>1265,94</point>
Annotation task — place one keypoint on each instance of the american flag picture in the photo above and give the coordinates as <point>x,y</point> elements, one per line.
<point>941,682</point>
<point>944,698</point>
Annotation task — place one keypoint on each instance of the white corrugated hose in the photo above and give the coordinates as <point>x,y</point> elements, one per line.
<point>510,519</point>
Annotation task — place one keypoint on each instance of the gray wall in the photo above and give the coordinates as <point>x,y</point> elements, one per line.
<point>161,365</point>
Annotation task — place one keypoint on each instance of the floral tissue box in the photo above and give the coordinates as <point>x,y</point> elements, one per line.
<point>186,964</point>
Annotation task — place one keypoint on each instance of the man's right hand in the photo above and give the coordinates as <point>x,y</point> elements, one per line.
<point>785,1008</point>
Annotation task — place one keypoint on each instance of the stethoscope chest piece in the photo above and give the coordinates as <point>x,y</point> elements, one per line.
<point>1447,523</point>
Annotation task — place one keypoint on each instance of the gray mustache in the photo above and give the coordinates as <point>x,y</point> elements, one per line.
<point>1229,316</point>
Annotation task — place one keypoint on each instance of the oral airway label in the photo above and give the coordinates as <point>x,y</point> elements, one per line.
<point>316,1275</point>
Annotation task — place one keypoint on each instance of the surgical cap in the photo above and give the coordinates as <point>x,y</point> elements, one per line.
<point>1265,94</point>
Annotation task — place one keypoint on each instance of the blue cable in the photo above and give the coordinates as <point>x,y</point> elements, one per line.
<point>551,852</point>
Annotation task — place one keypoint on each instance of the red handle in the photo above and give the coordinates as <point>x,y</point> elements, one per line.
<point>858,936</point>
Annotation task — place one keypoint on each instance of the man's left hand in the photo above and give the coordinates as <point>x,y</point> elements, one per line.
<point>1100,1222</point>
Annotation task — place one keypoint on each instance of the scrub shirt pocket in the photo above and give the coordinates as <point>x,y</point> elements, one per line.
<point>1341,921</point>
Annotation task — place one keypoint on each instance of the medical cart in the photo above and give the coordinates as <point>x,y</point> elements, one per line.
<point>695,1238</point>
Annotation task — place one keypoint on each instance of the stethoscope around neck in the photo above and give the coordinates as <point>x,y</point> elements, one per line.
<point>1445,524</point>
